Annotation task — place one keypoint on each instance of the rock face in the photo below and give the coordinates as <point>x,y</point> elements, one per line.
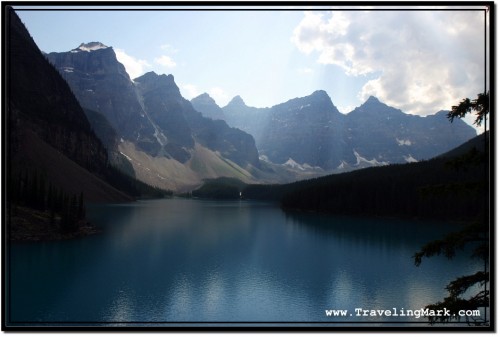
<point>303,134</point>
<point>101,83</point>
<point>376,130</point>
<point>166,109</point>
<point>249,119</point>
<point>306,130</point>
<point>182,125</point>
<point>311,132</point>
<point>207,106</point>
<point>149,112</point>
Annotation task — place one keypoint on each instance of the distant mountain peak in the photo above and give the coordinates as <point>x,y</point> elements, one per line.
<point>374,107</point>
<point>91,46</point>
<point>205,104</point>
<point>153,81</point>
<point>204,97</point>
<point>372,99</point>
<point>320,93</point>
<point>237,100</point>
<point>372,102</point>
<point>149,74</point>
<point>152,76</point>
<point>169,76</point>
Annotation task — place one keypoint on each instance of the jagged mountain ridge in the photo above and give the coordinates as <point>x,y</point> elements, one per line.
<point>150,115</point>
<point>162,100</point>
<point>384,133</point>
<point>311,132</point>
<point>303,134</point>
<point>165,107</point>
<point>149,111</point>
<point>95,76</point>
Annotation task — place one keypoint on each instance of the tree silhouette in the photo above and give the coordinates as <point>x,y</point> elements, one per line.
<point>481,106</point>
<point>469,292</point>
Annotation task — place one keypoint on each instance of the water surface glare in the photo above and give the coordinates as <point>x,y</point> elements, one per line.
<point>177,260</point>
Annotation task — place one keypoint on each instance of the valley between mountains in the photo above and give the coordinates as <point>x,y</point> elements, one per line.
<point>83,106</point>
<point>175,144</point>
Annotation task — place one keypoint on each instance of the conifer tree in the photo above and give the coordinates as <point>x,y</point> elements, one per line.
<point>475,234</point>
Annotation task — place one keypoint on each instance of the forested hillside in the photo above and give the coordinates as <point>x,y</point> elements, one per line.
<point>430,189</point>
<point>439,188</point>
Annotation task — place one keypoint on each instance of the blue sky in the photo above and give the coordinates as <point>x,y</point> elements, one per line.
<point>417,61</point>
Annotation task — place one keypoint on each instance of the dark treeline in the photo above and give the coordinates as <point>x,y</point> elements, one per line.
<point>220,188</point>
<point>441,188</point>
<point>230,188</point>
<point>31,189</point>
<point>225,188</point>
<point>430,189</point>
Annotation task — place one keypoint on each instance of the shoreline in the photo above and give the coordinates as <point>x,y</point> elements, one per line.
<point>30,225</point>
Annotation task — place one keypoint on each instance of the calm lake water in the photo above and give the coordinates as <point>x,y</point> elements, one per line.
<point>179,261</point>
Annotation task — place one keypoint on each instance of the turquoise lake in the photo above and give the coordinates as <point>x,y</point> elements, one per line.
<point>195,262</point>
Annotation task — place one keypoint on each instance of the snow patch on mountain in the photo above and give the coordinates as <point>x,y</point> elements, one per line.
<point>410,159</point>
<point>343,165</point>
<point>308,167</point>
<point>91,46</point>
<point>264,158</point>
<point>293,164</point>
<point>373,162</point>
<point>402,142</point>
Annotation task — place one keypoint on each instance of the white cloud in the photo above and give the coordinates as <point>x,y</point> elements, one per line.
<point>345,109</point>
<point>189,91</point>
<point>133,66</point>
<point>219,95</point>
<point>165,61</point>
<point>424,61</point>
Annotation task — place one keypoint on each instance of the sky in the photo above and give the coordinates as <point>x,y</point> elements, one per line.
<point>419,61</point>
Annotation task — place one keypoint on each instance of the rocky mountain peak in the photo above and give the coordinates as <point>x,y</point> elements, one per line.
<point>320,94</point>
<point>318,103</point>
<point>153,81</point>
<point>208,107</point>
<point>152,76</point>
<point>91,46</point>
<point>90,58</point>
<point>373,99</point>
<point>205,97</point>
<point>237,101</point>
<point>373,106</point>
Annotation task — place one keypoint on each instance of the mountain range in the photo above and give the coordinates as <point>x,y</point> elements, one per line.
<point>311,132</point>
<point>165,140</point>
